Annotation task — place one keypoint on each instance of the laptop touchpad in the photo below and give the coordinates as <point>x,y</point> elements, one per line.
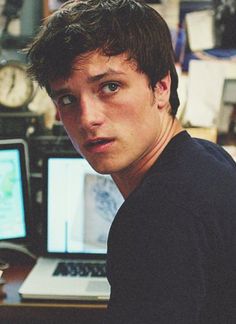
<point>97,286</point>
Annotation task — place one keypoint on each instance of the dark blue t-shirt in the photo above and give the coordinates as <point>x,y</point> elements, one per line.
<point>172,245</point>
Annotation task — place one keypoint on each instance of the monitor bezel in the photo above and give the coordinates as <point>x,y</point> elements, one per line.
<point>22,147</point>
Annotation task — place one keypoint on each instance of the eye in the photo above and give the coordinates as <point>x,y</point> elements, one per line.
<point>66,100</point>
<point>110,87</point>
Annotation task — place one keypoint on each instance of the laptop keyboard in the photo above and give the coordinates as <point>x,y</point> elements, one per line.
<point>82,269</point>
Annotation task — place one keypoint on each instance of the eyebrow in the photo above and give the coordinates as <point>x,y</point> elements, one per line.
<point>100,76</point>
<point>90,79</point>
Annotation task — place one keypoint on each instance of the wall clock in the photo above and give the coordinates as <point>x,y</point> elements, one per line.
<point>16,87</point>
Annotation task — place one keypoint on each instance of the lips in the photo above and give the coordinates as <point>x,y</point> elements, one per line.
<point>98,144</point>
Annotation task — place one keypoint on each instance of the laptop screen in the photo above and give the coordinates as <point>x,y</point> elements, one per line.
<point>81,205</point>
<point>13,190</point>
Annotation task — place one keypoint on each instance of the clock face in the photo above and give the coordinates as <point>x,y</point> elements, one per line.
<point>16,88</point>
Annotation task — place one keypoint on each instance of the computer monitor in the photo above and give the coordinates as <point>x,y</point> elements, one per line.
<point>14,202</point>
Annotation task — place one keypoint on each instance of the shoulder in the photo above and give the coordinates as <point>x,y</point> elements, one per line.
<point>192,164</point>
<point>214,152</point>
<point>200,182</point>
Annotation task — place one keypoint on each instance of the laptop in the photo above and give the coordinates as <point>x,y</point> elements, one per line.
<point>79,207</point>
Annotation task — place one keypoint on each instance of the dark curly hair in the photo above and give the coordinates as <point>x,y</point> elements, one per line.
<point>111,26</point>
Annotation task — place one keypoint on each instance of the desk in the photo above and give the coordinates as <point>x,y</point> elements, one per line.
<point>15,311</point>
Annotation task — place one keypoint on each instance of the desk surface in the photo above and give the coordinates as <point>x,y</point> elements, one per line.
<point>14,310</point>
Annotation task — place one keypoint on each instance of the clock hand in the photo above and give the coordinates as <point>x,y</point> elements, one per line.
<point>12,83</point>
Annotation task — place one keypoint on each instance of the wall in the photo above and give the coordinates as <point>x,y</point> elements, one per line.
<point>30,20</point>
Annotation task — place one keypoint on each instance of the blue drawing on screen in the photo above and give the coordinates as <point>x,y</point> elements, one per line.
<point>107,198</point>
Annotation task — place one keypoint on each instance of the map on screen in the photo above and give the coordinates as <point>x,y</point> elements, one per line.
<point>12,203</point>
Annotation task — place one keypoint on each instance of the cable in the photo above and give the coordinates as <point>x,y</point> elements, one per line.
<point>17,248</point>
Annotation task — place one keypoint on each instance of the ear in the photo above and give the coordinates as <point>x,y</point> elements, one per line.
<point>162,91</point>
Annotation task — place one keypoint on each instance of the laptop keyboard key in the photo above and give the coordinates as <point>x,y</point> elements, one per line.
<point>82,269</point>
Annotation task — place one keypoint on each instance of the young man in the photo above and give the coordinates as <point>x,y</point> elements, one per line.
<point>109,67</point>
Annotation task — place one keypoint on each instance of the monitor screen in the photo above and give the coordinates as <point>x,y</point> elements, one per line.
<point>13,190</point>
<point>80,206</point>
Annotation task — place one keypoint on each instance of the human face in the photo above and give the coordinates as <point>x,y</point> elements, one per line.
<point>109,112</point>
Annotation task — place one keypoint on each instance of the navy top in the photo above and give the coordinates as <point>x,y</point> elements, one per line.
<point>172,244</point>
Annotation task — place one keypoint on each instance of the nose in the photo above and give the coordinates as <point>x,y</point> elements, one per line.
<point>91,113</point>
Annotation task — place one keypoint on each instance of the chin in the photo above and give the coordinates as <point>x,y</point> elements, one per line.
<point>103,167</point>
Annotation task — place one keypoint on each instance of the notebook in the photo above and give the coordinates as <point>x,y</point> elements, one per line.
<point>79,207</point>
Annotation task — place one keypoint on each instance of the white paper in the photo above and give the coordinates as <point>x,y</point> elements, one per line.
<point>205,89</point>
<point>200,30</point>
<point>182,92</point>
<point>169,10</point>
<point>14,27</point>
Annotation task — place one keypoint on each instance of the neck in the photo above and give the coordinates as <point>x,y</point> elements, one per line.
<point>128,179</point>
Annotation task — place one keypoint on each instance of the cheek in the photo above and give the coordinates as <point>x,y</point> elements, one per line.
<point>70,127</point>
<point>142,115</point>
<point>146,123</point>
<point>67,119</point>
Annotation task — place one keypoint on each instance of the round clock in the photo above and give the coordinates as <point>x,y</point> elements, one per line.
<point>16,88</point>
